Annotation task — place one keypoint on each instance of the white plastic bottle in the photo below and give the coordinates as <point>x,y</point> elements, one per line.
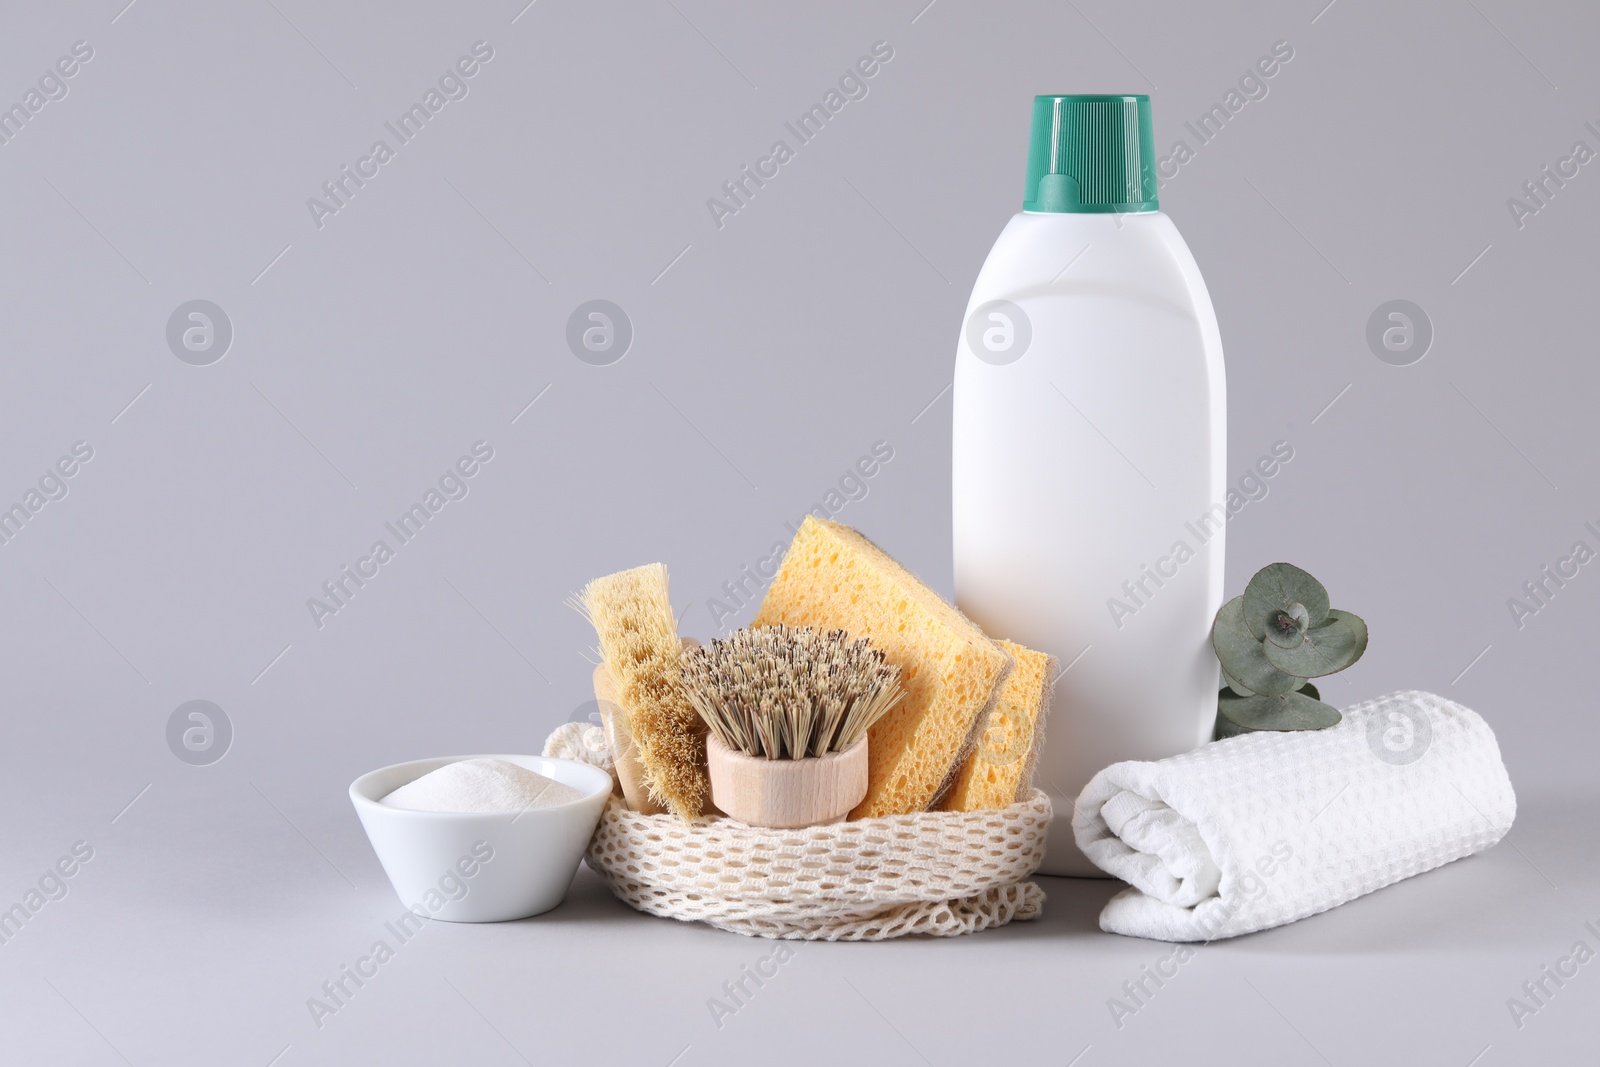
<point>1090,442</point>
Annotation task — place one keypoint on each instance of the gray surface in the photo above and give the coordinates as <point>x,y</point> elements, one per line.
<point>767,357</point>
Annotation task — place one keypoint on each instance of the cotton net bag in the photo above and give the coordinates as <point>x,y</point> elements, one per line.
<point>935,873</point>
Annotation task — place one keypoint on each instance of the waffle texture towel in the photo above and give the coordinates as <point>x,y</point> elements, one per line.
<point>1260,830</point>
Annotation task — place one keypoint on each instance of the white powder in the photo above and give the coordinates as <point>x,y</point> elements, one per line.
<point>481,786</point>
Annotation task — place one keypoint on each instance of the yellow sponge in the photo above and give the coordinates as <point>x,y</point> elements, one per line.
<point>1001,765</point>
<point>832,577</point>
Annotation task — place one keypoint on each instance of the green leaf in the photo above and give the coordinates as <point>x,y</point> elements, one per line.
<point>1287,711</point>
<point>1226,727</point>
<point>1241,653</point>
<point>1358,624</point>
<point>1238,687</point>
<point>1287,629</point>
<point>1327,649</point>
<point>1309,690</point>
<point>1283,597</point>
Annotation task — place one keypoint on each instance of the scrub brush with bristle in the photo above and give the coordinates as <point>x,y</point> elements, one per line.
<point>790,693</point>
<point>639,644</point>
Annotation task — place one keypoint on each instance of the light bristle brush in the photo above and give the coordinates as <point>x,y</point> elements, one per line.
<point>638,633</point>
<point>781,692</point>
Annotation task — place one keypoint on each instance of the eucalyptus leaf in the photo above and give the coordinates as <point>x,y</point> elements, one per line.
<point>1356,622</point>
<point>1278,589</point>
<point>1288,629</point>
<point>1328,648</point>
<point>1242,656</point>
<point>1238,687</point>
<point>1226,727</point>
<point>1286,711</point>
<point>1270,641</point>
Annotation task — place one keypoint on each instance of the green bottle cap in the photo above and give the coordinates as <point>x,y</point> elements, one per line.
<point>1092,154</point>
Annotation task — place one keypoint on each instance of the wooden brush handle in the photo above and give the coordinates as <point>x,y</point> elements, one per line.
<point>615,722</point>
<point>783,793</point>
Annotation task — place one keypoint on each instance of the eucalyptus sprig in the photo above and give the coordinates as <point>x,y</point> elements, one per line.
<point>1271,641</point>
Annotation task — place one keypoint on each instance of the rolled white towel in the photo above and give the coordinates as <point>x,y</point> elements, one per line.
<point>1260,830</point>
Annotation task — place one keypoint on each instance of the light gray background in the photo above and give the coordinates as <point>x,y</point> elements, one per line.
<point>768,356</point>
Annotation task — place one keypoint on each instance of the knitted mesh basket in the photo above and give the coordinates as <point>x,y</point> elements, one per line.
<point>938,873</point>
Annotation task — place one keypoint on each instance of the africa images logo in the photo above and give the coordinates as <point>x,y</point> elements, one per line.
<point>1401,735</point>
<point>998,332</point>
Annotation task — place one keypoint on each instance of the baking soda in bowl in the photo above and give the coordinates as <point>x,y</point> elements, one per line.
<point>481,787</point>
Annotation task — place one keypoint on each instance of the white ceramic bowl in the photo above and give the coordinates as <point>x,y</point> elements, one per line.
<point>471,868</point>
